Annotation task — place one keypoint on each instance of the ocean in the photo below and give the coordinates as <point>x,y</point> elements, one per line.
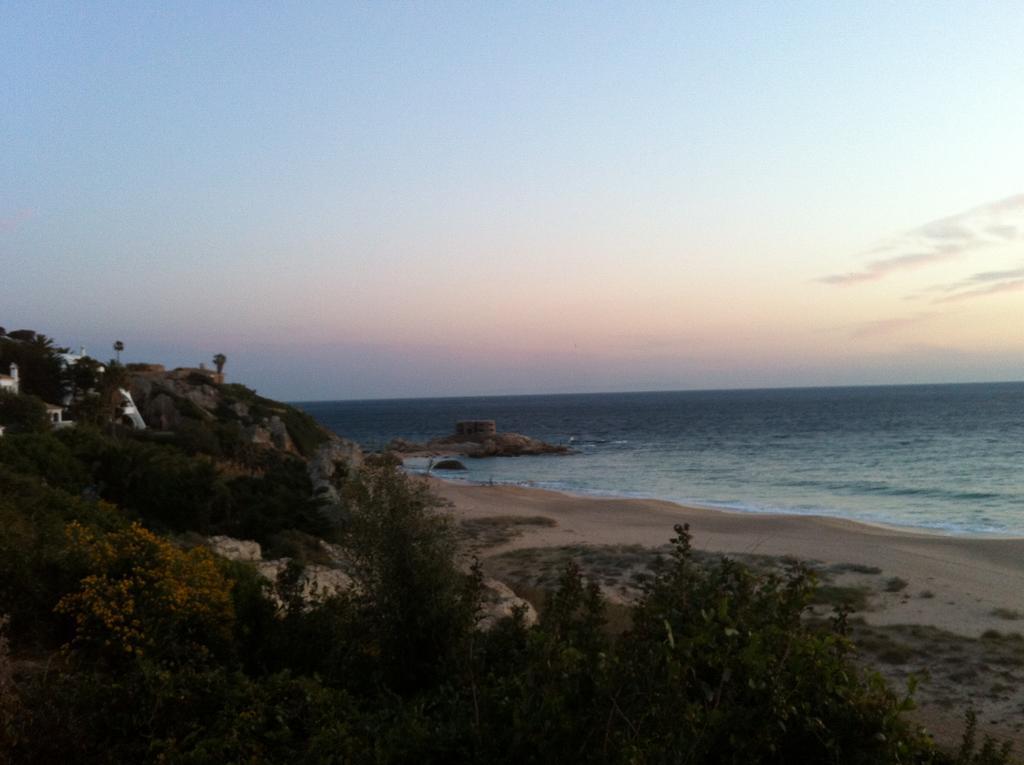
<point>940,457</point>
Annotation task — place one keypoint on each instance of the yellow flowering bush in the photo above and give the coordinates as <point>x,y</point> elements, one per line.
<point>144,595</point>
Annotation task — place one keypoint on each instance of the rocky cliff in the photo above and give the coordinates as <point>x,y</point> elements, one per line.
<point>193,401</point>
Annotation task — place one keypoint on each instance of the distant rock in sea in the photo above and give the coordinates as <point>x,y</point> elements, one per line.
<point>482,445</point>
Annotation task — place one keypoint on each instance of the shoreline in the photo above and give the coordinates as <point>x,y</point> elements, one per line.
<point>928,531</point>
<point>970,577</point>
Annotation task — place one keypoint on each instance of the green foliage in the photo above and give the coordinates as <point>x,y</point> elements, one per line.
<point>190,715</point>
<point>35,567</point>
<point>159,483</point>
<point>23,413</point>
<point>417,607</point>
<point>82,376</point>
<point>305,432</point>
<point>991,751</point>
<point>281,498</point>
<point>720,665</point>
<point>10,704</point>
<point>44,454</point>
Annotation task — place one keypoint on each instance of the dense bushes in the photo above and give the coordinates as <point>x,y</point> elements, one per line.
<point>129,648</point>
<point>174,490</point>
<point>23,414</point>
<point>416,606</point>
<point>142,595</point>
<point>44,454</point>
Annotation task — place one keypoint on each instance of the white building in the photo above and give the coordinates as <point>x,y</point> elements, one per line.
<point>70,358</point>
<point>55,414</point>
<point>130,412</point>
<point>9,383</point>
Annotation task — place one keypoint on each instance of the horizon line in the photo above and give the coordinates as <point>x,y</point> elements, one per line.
<point>657,390</point>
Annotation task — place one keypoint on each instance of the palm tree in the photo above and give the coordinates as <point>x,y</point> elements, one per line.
<point>219,360</point>
<point>118,347</point>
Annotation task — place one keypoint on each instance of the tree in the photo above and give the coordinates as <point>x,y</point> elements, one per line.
<point>39,363</point>
<point>82,376</point>
<point>418,607</point>
<point>118,347</point>
<point>23,413</point>
<point>219,360</point>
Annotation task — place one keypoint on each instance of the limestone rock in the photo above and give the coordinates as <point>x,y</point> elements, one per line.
<point>329,466</point>
<point>498,602</point>
<point>403,446</point>
<point>203,396</point>
<point>258,435</point>
<point>235,549</point>
<point>317,581</point>
<point>159,411</point>
<point>279,435</point>
<point>513,445</point>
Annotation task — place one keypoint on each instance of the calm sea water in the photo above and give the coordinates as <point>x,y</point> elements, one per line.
<point>947,457</point>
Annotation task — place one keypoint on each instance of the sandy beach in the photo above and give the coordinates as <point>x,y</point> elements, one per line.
<point>944,608</point>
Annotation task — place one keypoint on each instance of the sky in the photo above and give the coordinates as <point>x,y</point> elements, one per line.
<point>364,200</point>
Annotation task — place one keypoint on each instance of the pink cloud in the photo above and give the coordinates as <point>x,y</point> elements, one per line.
<point>876,269</point>
<point>992,289</point>
<point>951,237</point>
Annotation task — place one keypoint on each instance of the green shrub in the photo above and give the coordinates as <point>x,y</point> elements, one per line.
<point>23,413</point>
<point>35,567</point>
<point>44,455</point>
<point>418,607</point>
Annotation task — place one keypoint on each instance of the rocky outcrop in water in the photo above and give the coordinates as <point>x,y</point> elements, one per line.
<point>495,445</point>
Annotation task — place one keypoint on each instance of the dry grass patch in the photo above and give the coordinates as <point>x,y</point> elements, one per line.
<point>497,530</point>
<point>1007,613</point>
<point>616,568</point>
<point>849,598</point>
<point>895,584</point>
<point>953,671</point>
<point>854,568</point>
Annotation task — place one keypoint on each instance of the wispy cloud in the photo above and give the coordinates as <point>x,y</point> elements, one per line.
<point>877,269</point>
<point>976,285</point>
<point>888,326</point>
<point>944,239</point>
<point>1009,285</point>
